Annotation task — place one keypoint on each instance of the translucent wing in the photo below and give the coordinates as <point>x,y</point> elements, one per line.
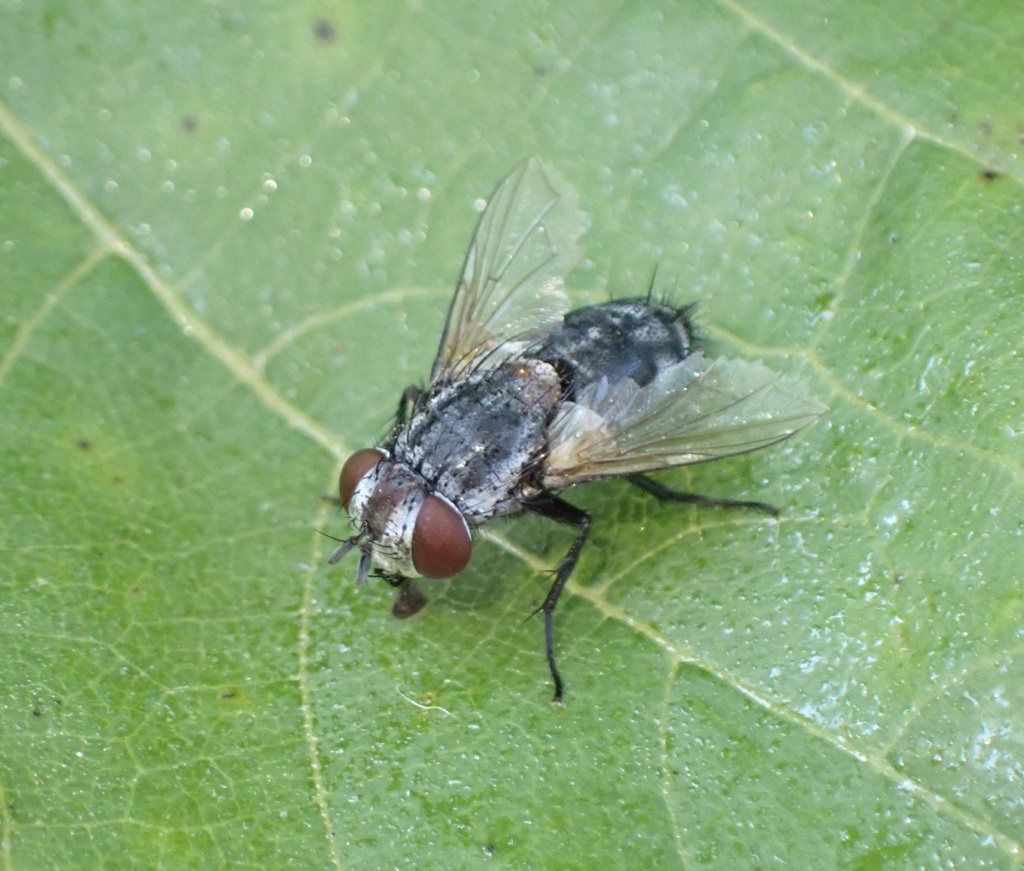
<point>694,411</point>
<point>510,291</point>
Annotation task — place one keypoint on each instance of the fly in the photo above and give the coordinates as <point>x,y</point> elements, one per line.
<point>527,398</point>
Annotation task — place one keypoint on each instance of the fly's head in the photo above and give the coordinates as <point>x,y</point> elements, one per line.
<point>405,528</point>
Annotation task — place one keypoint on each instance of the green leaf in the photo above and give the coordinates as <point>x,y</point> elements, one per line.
<point>228,234</point>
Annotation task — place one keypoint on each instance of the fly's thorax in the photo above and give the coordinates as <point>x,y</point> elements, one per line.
<point>479,441</point>
<point>412,530</point>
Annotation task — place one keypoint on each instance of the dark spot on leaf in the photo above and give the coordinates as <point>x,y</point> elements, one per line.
<point>985,129</point>
<point>823,301</point>
<point>189,124</point>
<point>84,444</point>
<point>232,695</point>
<point>489,849</point>
<point>894,238</point>
<point>989,174</point>
<point>324,31</point>
<point>37,713</point>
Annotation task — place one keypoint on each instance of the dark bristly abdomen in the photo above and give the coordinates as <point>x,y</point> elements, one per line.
<point>632,339</point>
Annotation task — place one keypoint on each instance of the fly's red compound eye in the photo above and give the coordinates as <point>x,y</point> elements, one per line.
<point>354,469</point>
<point>440,540</point>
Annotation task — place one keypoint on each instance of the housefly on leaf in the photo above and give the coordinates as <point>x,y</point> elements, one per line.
<point>527,398</point>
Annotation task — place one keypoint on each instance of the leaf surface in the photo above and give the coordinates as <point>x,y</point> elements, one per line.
<point>228,237</point>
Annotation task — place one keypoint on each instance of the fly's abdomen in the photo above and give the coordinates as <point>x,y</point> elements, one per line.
<point>631,339</point>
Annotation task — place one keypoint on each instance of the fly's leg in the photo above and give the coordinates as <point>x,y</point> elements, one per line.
<point>410,396</point>
<point>410,599</point>
<point>667,494</point>
<point>406,402</point>
<point>555,509</point>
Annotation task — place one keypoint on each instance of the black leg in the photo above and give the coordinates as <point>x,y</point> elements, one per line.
<point>410,599</point>
<point>555,509</point>
<point>406,402</point>
<point>410,396</point>
<point>667,494</point>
